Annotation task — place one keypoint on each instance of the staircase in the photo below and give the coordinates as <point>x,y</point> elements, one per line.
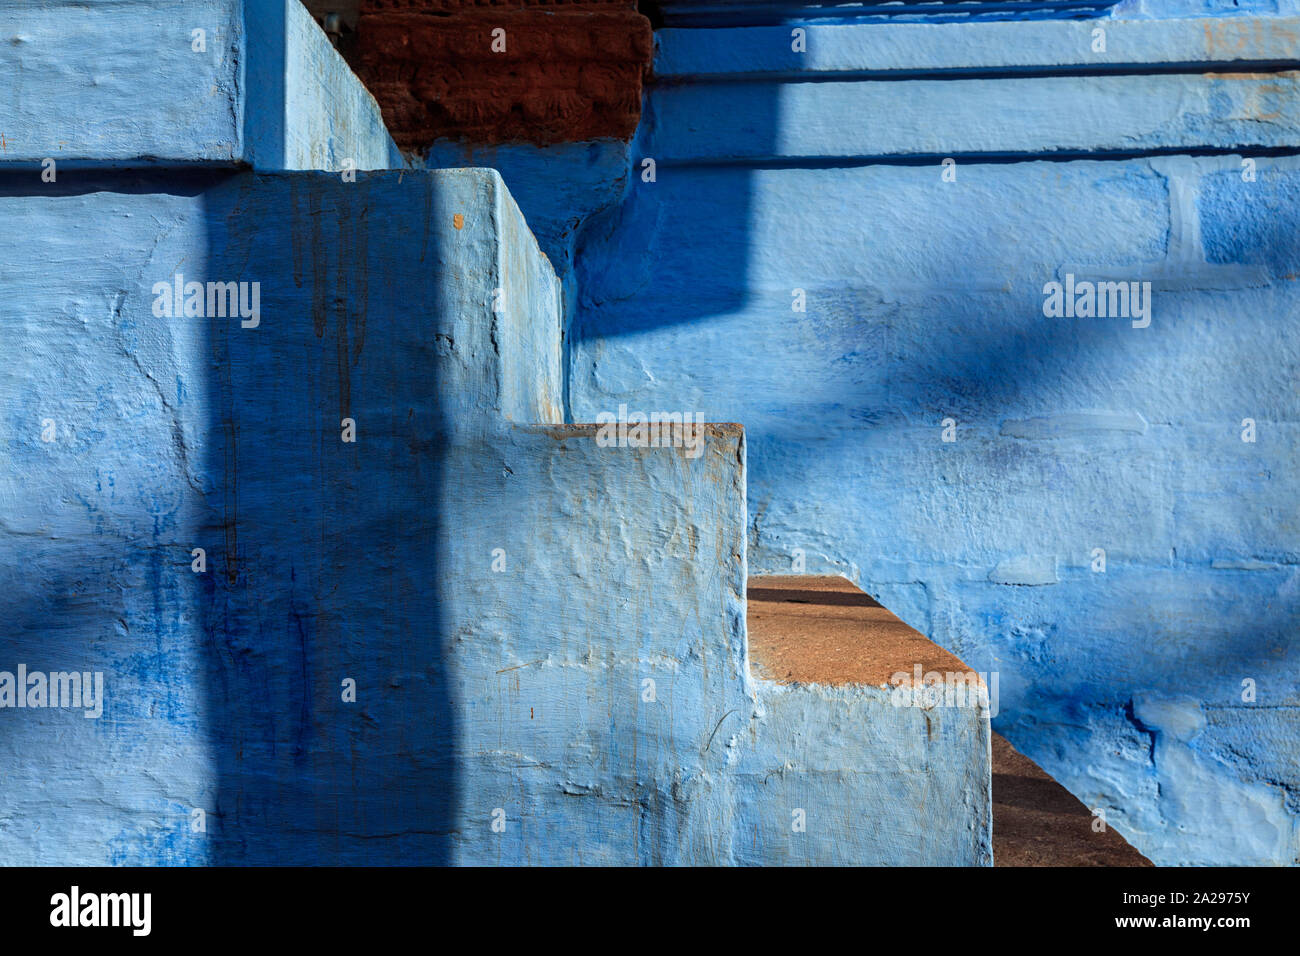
<point>358,593</point>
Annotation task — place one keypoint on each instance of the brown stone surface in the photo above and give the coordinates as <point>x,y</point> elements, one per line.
<point>570,71</point>
<point>1037,822</point>
<point>825,630</point>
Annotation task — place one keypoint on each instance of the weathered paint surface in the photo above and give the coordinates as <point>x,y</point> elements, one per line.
<point>879,784</point>
<point>900,48</point>
<point>924,302</point>
<point>330,121</point>
<point>745,13</point>
<point>373,560</point>
<point>545,637</point>
<point>323,558</point>
<point>134,83</point>
<point>519,689</point>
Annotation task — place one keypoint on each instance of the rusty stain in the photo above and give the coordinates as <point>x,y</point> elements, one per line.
<point>1226,40</point>
<point>1217,40</point>
<point>319,270</point>
<point>1253,77</point>
<point>518,666</point>
<point>1265,85</point>
<point>458,221</point>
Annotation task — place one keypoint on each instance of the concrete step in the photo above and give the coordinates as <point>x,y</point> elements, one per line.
<point>884,776</point>
<point>157,83</point>
<point>283,560</point>
<point>826,631</point>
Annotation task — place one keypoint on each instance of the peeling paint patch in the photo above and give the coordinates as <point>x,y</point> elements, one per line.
<point>1026,569</point>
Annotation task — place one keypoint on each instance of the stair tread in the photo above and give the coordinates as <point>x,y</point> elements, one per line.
<point>825,630</point>
<point>1037,822</point>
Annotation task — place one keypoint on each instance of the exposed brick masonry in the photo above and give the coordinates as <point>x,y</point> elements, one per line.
<point>571,70</point>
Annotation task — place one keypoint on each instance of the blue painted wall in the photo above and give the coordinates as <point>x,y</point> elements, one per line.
<point>521,689</point>
<point>182,82</point>
<point>224,688</point>
<point>821,172</point>
<point>500,592</point>
<point>430,622</point>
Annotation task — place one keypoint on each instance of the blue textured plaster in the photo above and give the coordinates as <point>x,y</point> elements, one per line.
<point>123,85</point>
<point>900,49</point>
<point>924,302</point>
<point>223,688</point>
<point>522,689</point>
<point>478,690</point>
<point>742,13</point>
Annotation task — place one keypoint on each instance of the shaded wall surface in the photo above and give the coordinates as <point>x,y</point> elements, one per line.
<point>847,248</point>
<point>225,671</point>
<point>287,481</point>
<point>417,307</point>
<point>191,84</point>
<point>428,623</point>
